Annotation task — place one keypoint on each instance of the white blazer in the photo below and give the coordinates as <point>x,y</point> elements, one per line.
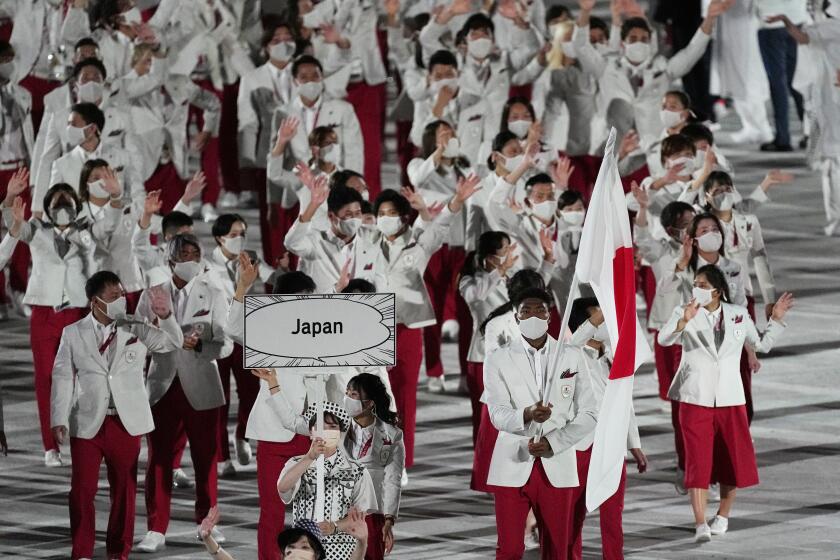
<point>37,28</point>
<point>661,254</point>
<point>7,248</point>
<point>322,253</point>
<point>330,112</point>
<point>114,252</point>
<point>683,282</point>
<point>510,387</point>
<point>225,272</point>
<point>358,19</point>
<point>256,102</point>
<point>708,375</point>
<point>20,116</point>
<point>484,292</point>
<point>196,370</point>
<point>438,185</point>
<point>83,382</point>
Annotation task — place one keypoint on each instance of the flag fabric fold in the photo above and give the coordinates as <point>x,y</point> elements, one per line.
<point>605,262</point>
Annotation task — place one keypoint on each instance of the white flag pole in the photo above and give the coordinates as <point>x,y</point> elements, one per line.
<point>320,469</point>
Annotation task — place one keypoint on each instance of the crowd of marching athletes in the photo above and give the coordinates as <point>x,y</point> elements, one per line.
<point>123,123</point>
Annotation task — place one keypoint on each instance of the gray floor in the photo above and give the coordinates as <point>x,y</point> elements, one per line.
<point>793,513</point>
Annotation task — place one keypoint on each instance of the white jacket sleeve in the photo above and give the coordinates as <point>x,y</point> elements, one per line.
<point>299,240</point>
<point>63,381</point>
<point>683,61</point>
<point>503,415</point>
<point>499,211</point>
<point>591,60</point>
<point>563,438</point>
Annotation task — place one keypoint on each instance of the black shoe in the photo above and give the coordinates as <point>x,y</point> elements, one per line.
<point>803,144</point>
<point>773,147</point>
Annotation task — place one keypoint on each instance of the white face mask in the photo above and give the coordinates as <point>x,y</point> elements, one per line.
<point>514,162</point>
<point>63,215</point>
<point>389,225</point>
<point>602,334</point>
<point>310,90</point>
<point>116,309</point>
<point>452,149</point>
<point>282,52</point>
<point>710,241</point>
<point>233,245</point>
<point>723,201</point>
<point>349,226</point>
<point>75,134</point>
<point>331,439</point>
<point>6,70</point>
<point>573,217</point>
<point>186,271</point>
<point>637,52</point>
<point>298,554</point>
<point>354,407</point>
<point>132,16</point>
<point>533,328</point>
<point>700,159</point>
<point>331,154</point>
<point>435,87</point>
<point>544,210</point>
<point>687,162</point>
<point>520,127</point>
<point>89,92</point>
<point>702,296</point>
<point>96,189</point>
<point>669,118</point>
<point>602,48</point>
<point>568,49</point>
<point>479,48</point>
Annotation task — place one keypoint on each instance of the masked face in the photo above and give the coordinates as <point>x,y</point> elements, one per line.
<point>685,161</point>
<point>479,48</point>
<point>544,210</point>
<point>670,119</point>
<point>331,153</point>
<point>533,328</point>
<point>573,218</point>
<point>354,407</point>
<point>96,189</point>
<point>234,245</point>
<point>75,134</point>
<point>282,52</point>
<point>299,554</point>
<point>436,86</point>
<point>331,439</point>
<point>310,90</point>
<point>520,127</point>
<point>452,149</point>
<point>90,92</point>
<point>723,201</point>
<point>389,225</point>
<point>348,226</point>
<point>637,52</point>
<point>702,296</point>
<point>63,213</point>
<point>115,309</point>
<point>710,241</point>
<point>186,271</point>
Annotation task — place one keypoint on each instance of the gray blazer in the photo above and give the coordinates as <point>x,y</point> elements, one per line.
<point>384,462</point>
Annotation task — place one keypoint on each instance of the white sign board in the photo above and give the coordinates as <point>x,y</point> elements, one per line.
<point>320,330</point>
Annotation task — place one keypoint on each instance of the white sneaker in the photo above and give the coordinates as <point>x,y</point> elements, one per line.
<point>449,330</point>
<point>228,200</point>
<point>404,479</point>
<point>831,228</point>
<point>227,470</point>
<point>714,492</point>
<point>52,459</point>
<point>208,213</point>
<point>216,533</point>
<point>152,542</point>
<point>679,482</point>
<point>247,199</point>
<point>719,525</point>
<point>745,136</point>
<point>702,533</point>
<point>180,479</point>
<point>243,451</point>
<point>532,540</point>
<point>436,385</point>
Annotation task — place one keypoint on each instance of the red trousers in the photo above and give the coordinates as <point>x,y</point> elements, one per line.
<point>647,281</point>
<point>247,387</point>
<point>19,264</point>
<point>120,451</point>
<point>441,276</point>
<point>667,362</point>
<point>171,414</point>
<point>45,328</point>
<point>275,221</point>
<point>475,386</point>
<point>271,458</point>
<point>552,508</point>
<point>369,103</point>
<point>166,180</point>
<point>38,88</point>
<point>404,377</point>
<point>376,544</point>
<point>718,446</point>
<point>485,442</point>
<point>612,533</point>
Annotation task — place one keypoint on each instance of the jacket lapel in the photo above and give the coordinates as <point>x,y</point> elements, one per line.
<point>521,372</point>
<point>88,335</point>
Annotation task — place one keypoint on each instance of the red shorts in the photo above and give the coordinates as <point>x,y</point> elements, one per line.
<point>718,447</point>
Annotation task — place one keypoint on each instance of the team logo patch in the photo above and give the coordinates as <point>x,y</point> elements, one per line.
<point>130,356</point>
<point>566,391</point>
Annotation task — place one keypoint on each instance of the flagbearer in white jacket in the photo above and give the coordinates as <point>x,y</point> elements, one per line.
<point>713,416</point>
<point>591,341</point>
<point>543,405</point>
<point>99,400</point>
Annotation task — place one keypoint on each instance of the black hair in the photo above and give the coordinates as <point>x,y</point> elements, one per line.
<point>538,179</point>
<point>521,280</point>
<point>176,245</point>
<point>104,13</point>
<point>567,198</point>
<point>478,21</point>
<point>62,188</point>
<point>398,200</point>
<point>342,176</point>
<point>516,100</point>
<point>675,144</point>
<point>692,232</point>
<point>598,23</point>
<point>442,57</point>
<point>224,223</point>
<point>428,145</point>
<point>90,113</point>
<point>488,243</point>
<point>87,169</point>
<point>90,61</point>
<point>306,59</point>
<point>85,42</point>
<point>367,207</point>
<point>98,281</point>
<point>714,178</point>
<point>373,389</point>
<point>556,11</point>
<point>685,99</point>
<point>359,286</point>
<point>270,26</point>
<point>697,131</point>
<point>174,221</point>
<point>717,279</point>
<point>531,293</point>
<point>499,142</point>
<point>294,282</point>
<point>634,23</point>
<point>340,197</point>
<point>580,311</point>
<point>672,212</point>
<point>335,420</point>
<point>293,535</point>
